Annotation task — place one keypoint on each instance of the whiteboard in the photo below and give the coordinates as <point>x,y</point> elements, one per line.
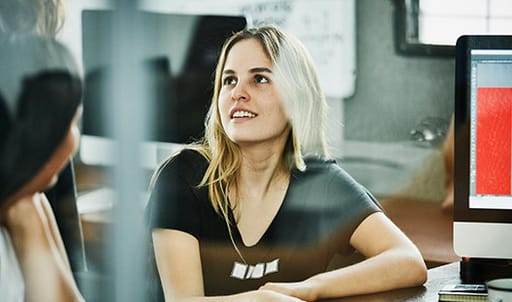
<point>326,28</point>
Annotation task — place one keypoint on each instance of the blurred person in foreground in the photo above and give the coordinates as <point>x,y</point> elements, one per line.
<point>40,105</point>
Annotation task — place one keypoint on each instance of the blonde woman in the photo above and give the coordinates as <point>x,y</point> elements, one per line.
<point>256,210</point>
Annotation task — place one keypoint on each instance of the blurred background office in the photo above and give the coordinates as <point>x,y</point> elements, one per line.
<point>389,86</point>
<point>391,95</point>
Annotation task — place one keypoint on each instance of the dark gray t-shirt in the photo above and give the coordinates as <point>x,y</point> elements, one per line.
<point>321,209</point>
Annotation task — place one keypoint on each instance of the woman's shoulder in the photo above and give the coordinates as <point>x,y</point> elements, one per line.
<point>328,172</point>
<point>185,157</point>
<point>324,166</point>
<point>313,161</point>
<point>187,163</point>
<point>325,175</point>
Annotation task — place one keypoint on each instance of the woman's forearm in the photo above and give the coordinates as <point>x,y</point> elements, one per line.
<point>250,296</point>
<point>390,270</point>
<point>45,270</point>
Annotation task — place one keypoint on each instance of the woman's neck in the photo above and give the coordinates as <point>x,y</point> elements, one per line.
<point>259,171</point>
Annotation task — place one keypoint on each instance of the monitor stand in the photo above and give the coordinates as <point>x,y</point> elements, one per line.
<point>480,270</point>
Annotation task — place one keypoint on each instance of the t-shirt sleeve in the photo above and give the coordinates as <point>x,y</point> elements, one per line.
<point>172,203</point>
<point>354,203</point>
<point>356,199</point>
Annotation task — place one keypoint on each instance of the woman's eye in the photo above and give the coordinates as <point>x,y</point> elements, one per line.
<point>261,79</point>
<point>229,81</point>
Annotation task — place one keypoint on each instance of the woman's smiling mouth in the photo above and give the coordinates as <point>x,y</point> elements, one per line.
<point>242,113</point>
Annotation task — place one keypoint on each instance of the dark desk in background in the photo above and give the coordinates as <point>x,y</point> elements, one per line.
<point>437,278</point>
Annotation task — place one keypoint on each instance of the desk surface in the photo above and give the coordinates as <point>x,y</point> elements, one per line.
<point>424,222</point>
<point>437,278</point>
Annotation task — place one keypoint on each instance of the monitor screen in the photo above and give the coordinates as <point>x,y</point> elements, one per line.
<point>483,147</point>
<point>180,53</point>
<point>490,138</point>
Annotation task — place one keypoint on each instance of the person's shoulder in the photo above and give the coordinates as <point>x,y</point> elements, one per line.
<point>186,161</point>
<point>323,166</point>
<point>188,154</point>
<point>336,182</point>
<point>329,171</point>
<point>186,166</point>
<point>316,162</point>
<point>185,157</point>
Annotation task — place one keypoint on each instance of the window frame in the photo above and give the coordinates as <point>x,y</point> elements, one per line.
<point>406,14</point>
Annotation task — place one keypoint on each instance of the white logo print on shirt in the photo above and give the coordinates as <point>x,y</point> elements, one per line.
<point>243,271</point>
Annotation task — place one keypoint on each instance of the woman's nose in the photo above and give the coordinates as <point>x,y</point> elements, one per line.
<point>239,93</point>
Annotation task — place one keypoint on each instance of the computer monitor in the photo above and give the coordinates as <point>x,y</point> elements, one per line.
<point>180,55</point>
<point>483,147</point>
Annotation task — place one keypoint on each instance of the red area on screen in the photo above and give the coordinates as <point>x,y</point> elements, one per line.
<point>493,140</point>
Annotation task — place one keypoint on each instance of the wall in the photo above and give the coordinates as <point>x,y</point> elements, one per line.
<point>393,92</point>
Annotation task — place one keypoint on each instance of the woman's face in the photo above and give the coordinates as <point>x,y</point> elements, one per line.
<point>250,106</point>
